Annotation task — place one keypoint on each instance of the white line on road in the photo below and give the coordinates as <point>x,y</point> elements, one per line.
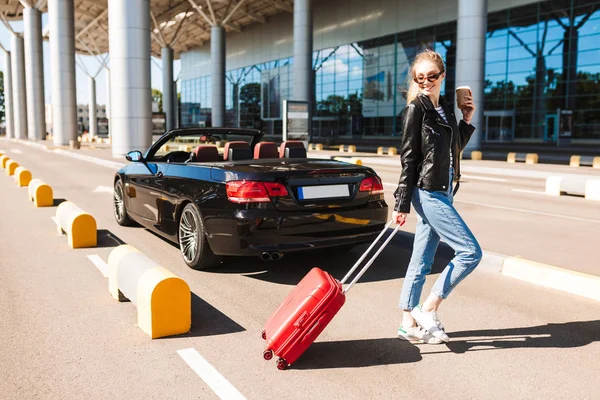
<point>529,191</point>
<point>484,178</point>
<point>594,221</point>
<point>389,184</point>
<point>210,375</point>
<point>16,151</point>
<point>103,189</point>
<point>99,263</point>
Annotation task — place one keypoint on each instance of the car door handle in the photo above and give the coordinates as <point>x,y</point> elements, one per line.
<point>159,174</point>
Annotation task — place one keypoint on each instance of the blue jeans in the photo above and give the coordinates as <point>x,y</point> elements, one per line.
<point>437,218</point>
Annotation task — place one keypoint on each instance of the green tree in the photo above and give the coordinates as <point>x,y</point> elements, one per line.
<point>157,97</point>
<point>250,105</point>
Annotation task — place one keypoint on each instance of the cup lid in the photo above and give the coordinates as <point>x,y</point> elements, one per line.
<point>463,87</point>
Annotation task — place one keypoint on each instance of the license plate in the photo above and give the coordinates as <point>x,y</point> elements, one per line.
<point>323,192</point>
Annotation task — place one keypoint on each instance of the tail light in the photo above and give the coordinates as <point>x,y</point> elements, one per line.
<point>242,192</point>
<point>372,185</point>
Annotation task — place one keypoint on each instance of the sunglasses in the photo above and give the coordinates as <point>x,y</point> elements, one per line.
<point>431,78</point>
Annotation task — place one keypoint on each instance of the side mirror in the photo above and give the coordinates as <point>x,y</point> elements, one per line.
<point>134,156</point>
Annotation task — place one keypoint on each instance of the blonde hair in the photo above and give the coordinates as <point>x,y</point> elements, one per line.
<point>427,55</point>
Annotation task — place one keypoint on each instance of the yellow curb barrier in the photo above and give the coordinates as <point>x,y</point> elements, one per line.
<point>349,160</point>
<point>592,189</point>
<point>11,167</point>
<point>531,158</point>
<point>1,153</point>
<point>319,147</point>
<point>186,148</point>
<point>310,147</point>
<point>596,162</point>
<point>79,226</point>
<point>40,193</point>
<point>552,277</point>
<point>475,155</point>
<point>352,149</point>
<point>22,176</point>
<point>3,160</point>
<point>163,300</point>
<point>380,151</point>
<point>341,148</point>
<point>575,161</point>
<point>392,151</point>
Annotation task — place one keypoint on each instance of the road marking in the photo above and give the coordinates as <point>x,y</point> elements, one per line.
<point>94,160</point>
<point>483,178</point>
<point>99,263</point>
<point>594,221</point>
<point>103,189</point>
<point>16,151</point>
<point>210,375</point>
<point>390,184</point>
<point>529,191</point>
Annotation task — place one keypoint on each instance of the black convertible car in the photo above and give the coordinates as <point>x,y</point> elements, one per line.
<point>222,192</point>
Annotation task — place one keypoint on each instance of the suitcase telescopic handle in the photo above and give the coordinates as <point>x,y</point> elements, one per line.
<point>372,260</point>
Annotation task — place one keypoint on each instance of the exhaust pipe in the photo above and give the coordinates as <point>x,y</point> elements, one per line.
<point>266,256</point>
<point>276,256</point>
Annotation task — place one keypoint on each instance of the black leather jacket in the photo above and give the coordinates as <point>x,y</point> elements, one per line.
<point>425,154</point>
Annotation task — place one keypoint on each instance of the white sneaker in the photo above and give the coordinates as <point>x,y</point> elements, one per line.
<point>430,322</point>
<point>417,334</point>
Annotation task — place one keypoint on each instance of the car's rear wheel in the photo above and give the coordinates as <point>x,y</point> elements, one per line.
<point>119,208</point>
<point>192,241</point>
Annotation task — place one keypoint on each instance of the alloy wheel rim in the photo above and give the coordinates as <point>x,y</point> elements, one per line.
<point>188,236</point>
<point>118,202</point>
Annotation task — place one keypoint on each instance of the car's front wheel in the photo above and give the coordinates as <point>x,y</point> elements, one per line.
<point>192,241</point>
<point>119,205</point>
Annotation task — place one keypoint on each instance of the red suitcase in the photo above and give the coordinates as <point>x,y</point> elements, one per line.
<point>309,307</point>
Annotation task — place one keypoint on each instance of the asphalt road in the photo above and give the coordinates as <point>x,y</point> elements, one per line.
<point>64,337</point>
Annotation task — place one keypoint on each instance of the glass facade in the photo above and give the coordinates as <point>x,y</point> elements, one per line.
<point>541,59</point>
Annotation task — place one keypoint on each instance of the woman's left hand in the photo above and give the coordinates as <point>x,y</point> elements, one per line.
<point>469,109</point>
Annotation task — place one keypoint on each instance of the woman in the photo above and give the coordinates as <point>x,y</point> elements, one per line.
<point>431,146</point>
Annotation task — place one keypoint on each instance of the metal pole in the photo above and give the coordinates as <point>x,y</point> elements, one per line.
<point>131,107</point>
<point>470,60</point>
<point>303,47</point>
<point>18,86</point>
<point>62,66</point>
<point>8,96</point>
<point>93,128</point>
<point>217,52</point>
<point>167,94</point>
<point>34,71</point>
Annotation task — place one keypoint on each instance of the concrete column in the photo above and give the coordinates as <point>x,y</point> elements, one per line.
<point>18,87</point>
<point>470,60</point>
<point>303,47</point>
<point>8,96</point>
<point>175,106</point>
<point>34,71</point>
<point>93,128</point>
<point>130,102</point>
<point>217,53</point>
<point>167,93</point>
<point>62,67</point>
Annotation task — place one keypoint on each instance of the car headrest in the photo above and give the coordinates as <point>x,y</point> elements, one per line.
<point>287,144</point>
<point>235,145</point>
<point>206,153</point>
<point>266,150</point>
<point>236,154</point>
<point>295,152</point>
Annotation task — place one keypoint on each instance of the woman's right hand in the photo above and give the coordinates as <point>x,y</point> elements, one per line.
<point>399,218</point>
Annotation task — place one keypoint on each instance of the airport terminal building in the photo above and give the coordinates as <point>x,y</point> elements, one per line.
<point>541,70</point>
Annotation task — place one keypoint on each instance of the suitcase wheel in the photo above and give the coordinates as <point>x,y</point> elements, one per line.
<point>264,335</point>
<point>268,354</point>
<point>281,364</point>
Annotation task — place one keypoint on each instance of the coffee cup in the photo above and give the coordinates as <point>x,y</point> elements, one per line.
<point>461,92</point>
